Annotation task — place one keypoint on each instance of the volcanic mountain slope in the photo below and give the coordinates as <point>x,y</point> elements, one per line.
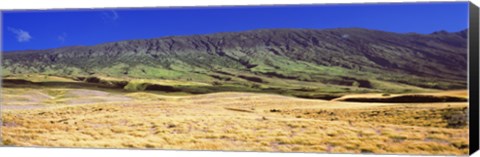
<point>332,60</point>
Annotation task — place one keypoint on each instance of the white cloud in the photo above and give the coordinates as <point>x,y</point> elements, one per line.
<point>62,37</point>
<point>21,35</point>
<point>112,15</point>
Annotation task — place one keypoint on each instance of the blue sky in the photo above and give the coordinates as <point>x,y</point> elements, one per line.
<point>25,30</point>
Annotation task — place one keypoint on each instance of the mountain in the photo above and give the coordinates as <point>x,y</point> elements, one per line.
<point>328,60</point>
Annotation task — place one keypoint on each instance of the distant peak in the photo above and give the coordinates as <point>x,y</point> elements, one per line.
<point>463,33</point>
<point>447,32</point>
<point>440,32</point>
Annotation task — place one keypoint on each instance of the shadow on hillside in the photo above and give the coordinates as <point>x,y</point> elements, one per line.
<point>410,99</point>
<point>120,86</point>
<point>20,83</point>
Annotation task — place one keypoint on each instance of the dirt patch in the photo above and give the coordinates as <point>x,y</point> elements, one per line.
<point>28,98</point>
<point>85,96</point>
<point>85,93</point>
<point>21,107</point>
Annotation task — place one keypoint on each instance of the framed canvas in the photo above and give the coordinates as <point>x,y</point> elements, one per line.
<point>371,78</point>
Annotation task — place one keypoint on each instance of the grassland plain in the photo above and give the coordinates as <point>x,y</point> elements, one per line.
<point>40,114</point>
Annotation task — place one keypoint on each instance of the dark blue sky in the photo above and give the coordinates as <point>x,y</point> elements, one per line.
<point>24,30</point>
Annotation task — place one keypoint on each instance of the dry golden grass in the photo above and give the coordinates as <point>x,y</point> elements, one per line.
<point>231,121</point>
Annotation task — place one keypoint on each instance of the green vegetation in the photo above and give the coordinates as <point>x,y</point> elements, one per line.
<point>276,61</point>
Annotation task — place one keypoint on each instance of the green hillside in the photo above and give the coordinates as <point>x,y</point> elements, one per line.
<point>300,62</point>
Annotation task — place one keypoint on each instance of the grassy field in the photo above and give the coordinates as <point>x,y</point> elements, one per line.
<point>80,115</point>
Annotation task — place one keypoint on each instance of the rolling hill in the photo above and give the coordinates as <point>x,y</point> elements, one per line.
<point>289,61</point>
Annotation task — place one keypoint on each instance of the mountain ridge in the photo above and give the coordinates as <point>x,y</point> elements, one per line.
<point>272,57</point>
<point>463,32</point>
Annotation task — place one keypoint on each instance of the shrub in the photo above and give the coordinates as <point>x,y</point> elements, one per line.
<point>274,110</point>
<point>135,86</point>
<point>455,119</point>
<point>216,83</point>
